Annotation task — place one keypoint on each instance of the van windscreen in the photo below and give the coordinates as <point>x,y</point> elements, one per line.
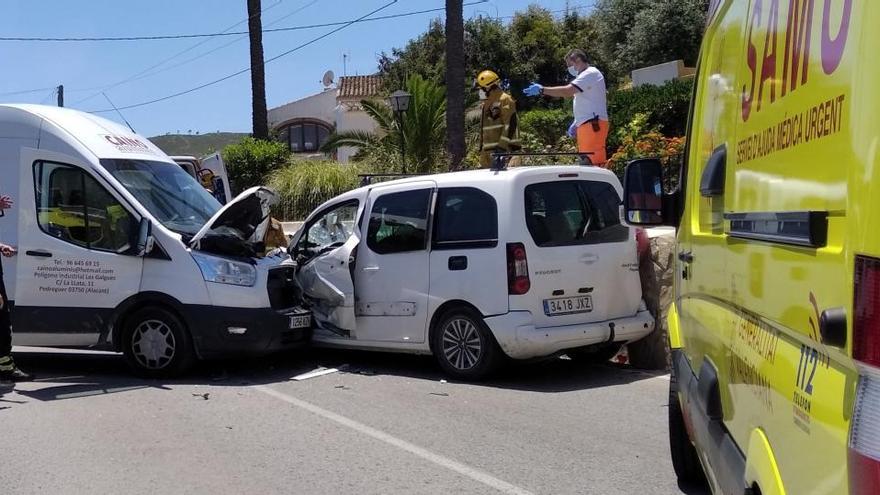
<point>170,194</point>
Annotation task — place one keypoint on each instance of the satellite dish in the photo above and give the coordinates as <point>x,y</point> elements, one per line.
<point>328,78</point>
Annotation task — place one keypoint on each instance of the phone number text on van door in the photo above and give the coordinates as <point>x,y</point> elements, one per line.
<point>74,276</point>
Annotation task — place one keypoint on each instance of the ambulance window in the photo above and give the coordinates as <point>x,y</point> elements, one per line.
<point>74,207</point>
<point>398,222</point>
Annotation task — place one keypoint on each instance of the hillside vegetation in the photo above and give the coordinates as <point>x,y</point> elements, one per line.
<point>196,145</point>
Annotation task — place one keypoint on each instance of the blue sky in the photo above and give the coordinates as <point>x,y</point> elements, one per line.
<point>87,68</point>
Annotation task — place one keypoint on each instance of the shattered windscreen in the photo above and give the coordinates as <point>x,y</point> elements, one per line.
<point>171,195</point>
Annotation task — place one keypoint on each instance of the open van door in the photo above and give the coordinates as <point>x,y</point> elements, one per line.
<point>326,250</point>
<point>214,170</point>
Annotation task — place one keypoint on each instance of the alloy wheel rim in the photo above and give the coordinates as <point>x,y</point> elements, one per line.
<point>462,345</point>
<point>153,344</point>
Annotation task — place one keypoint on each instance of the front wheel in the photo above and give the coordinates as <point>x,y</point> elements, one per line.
<point>463,345</point>
<point>156,344</point>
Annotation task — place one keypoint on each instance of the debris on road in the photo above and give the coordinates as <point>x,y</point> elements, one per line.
<point>342,387</point>
<point>321,371</point>
<point>439,394</point>
<point>203,396</point>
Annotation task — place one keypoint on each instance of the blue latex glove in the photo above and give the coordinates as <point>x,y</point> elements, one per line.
<point>572,130</point>
<point>534,89</point>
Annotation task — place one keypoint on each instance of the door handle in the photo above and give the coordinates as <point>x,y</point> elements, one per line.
<point>371,268</point>
<point>457,263</point>
<point>686,257</point>
<point>39,254</point>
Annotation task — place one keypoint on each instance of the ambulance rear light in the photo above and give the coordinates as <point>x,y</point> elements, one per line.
<point>864,440</point>
<point>866,321</point>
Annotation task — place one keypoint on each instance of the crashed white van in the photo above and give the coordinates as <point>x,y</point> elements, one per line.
<point>119,248</point>
<point>470,266</point>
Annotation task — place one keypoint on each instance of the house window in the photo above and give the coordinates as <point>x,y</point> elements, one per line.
<point>304,137</point>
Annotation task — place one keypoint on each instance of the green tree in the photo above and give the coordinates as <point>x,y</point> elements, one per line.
<point>251,160</point>
<point>631,34</point>
<point>423,131</point>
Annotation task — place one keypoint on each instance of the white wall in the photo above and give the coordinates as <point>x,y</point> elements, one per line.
<point>349,117</point>
<point>319,106</point>
<point>660,74</point>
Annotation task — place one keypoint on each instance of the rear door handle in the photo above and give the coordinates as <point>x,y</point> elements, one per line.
<point>371,268</point>
<point>39,254</point>
<point>686,257</point>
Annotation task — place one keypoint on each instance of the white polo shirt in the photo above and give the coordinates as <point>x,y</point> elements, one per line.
<point>591,99</point>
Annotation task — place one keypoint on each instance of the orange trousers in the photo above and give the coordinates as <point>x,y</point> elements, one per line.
<point>592,140</point>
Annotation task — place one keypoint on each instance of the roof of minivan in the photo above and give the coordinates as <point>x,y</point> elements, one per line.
<point>103,137</point>
<point>488,175</point>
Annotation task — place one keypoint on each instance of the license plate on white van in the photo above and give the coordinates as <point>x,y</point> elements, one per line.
<point>568,305</point>
<point>300,321</point>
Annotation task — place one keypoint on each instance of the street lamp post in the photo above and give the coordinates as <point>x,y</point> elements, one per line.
<point>399,101</point>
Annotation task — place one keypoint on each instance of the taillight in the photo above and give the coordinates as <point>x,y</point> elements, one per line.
<point>864,440</point>
<point>518,282</point>
<point>866,323</point>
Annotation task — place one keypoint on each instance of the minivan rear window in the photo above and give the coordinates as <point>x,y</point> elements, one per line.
<point>563,213</point>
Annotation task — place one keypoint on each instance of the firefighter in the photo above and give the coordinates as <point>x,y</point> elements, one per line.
<point>9,372</point>
<point>498,121</point>
<point>590,124</point>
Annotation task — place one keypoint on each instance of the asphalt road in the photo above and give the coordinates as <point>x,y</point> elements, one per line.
<point>385,424</point>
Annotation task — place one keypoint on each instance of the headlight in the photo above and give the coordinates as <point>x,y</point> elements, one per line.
<point>224,271</point>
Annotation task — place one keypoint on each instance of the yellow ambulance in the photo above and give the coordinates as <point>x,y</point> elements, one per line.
<point>775,327</point>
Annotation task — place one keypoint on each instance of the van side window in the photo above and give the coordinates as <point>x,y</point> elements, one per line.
<point>565,213</point>
<point>465,217</point>
<point>398,222</point>
<point>74,207</point>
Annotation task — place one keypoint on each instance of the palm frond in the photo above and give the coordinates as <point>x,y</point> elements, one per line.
<point>355,139</point>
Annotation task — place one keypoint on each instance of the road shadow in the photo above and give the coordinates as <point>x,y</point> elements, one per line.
<point>78,374</point>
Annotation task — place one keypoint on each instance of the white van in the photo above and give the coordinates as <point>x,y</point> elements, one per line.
<point>119,248</point>
<point>210,171</point>
<point>530,261</point>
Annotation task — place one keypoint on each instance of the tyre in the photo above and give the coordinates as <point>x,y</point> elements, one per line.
<point>685,461</point>
<point>156,344</point>
<point>463,345</point>
<point>594,355</point>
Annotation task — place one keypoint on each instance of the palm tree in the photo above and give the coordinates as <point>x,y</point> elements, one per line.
<point>455,66</point>
<point>423,131</point>
<point>258,76</point>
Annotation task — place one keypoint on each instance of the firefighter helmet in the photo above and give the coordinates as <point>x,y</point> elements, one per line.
<point>487,79</point>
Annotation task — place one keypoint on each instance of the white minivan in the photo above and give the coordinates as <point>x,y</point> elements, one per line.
<point>119,248</point>
<point>528,262</point>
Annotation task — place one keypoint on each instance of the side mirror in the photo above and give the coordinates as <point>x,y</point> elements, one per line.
<point>145,237</point>
<point>643,193</point>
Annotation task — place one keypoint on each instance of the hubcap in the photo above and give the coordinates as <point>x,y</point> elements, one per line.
<point>153,344</point>
<point>462,346</point>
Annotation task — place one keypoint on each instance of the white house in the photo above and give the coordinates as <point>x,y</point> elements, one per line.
<point>305,124</point>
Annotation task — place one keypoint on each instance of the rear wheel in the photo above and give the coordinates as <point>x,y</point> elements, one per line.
<point>156,344</point>
<point>464,346</point>
<point>685,461</point>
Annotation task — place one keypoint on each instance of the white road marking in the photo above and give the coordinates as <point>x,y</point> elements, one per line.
<point>451,464</point>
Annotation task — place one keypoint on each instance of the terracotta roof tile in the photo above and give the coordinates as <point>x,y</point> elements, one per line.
<point>359,86</point>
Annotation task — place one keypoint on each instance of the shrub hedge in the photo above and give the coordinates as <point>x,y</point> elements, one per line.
<point>304,184</point>
<point>251,160</point>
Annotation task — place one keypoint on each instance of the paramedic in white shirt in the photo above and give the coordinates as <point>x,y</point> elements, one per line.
<point>590,106</point>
